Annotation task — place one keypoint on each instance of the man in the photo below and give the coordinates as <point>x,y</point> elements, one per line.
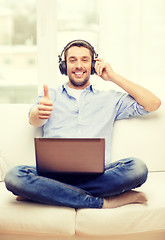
<point>77,109</point>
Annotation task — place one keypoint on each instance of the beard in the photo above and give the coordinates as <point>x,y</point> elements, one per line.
<point>79,80</point>
<point>79,83</point>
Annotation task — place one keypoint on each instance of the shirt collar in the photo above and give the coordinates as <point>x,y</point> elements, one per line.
<point>90,88</point>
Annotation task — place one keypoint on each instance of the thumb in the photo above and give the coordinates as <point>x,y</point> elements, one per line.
<point>46,93</point>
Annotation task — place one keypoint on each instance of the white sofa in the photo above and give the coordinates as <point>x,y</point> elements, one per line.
<point>140,137</point>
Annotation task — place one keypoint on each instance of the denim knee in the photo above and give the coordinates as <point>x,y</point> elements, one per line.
<point>140,170</point>
<point>12,180</point>
<point>9,178</point>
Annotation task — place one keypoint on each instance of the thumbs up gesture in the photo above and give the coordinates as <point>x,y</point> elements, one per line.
<point>45,107</point>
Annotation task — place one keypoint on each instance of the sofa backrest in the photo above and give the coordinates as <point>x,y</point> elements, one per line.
<point>139,137</point>
<point>16,135</point>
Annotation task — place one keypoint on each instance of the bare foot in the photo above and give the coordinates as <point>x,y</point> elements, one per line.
<point>124,199</point>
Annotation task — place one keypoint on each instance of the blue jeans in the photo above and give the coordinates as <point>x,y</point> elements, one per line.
<point>77,191</point>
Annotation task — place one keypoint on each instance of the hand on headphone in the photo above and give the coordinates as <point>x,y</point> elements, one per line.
<point>103,69</point>
<point>45,107</point>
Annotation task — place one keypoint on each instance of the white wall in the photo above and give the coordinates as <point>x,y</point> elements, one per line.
<point>132,37</point>
<point>47,42</point>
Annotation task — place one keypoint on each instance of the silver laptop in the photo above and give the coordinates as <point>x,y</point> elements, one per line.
<point>69,155</point>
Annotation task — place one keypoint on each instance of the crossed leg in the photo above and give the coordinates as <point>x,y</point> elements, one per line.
<point>111,189</point>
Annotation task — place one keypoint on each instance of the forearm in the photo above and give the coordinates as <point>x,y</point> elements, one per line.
<point>34,118</point>
<point>143,96</point>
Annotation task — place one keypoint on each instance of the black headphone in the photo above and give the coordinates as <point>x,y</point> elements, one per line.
<point>62,63</point>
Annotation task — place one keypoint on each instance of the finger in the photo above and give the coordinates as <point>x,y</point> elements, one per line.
<point>99,65</point>
<point>43,117</point>
<point>99,69</point>
<point>44,108</point>
<point>44,113</point>
<point>46,92</point>
<point>46,102</point>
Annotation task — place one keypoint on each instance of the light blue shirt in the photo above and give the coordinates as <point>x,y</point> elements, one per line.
<point>93,117</point>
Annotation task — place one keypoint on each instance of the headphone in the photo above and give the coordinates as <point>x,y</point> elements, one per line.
<point>79,43</point>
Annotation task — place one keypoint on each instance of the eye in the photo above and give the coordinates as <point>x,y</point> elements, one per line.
<point>72,60</point>
<point>85,59</point>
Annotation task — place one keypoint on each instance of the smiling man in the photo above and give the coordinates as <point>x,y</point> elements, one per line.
<point>78,67</point>
<point>78,110</point>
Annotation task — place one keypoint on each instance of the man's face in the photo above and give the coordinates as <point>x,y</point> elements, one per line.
<point>79,62</point>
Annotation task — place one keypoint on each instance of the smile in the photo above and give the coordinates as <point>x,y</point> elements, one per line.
<point>79,74</point>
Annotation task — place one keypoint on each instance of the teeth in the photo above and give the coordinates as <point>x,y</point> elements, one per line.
<point>79,73</point>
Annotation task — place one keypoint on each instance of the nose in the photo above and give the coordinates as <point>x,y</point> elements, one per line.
<point>78,64</point>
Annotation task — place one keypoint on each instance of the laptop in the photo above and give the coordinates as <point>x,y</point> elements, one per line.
<point>69,155</point>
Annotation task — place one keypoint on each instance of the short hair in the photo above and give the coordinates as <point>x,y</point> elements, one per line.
<point>79,43</point>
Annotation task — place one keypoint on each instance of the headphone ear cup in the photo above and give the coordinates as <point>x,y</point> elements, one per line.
<point>93,71</point>
<point>63,67</point>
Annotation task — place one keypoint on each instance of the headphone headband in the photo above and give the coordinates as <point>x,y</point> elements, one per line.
<point>79,43</point>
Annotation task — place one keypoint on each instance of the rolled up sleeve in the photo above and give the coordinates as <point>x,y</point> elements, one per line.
<point>127,107</point>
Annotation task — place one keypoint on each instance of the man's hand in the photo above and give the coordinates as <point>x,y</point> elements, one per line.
<point>39,114</point>
<point>103,69</point>
<point>143,96</point>
<point>45,107</point>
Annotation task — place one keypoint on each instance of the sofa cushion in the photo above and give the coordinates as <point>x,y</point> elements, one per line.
<point>22,217</point>
<point>128,219</point>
